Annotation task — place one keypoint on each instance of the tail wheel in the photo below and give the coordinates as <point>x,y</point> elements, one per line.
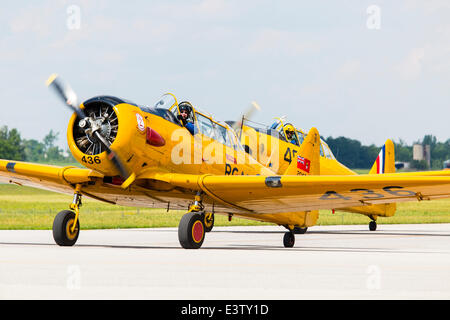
<point>191,230</point>
<point>208,221</point>
<point>289,239</point>
<point>62,228</point>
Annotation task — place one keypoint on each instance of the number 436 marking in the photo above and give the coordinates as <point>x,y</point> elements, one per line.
<point>369,194</point>
<point>91,160</point>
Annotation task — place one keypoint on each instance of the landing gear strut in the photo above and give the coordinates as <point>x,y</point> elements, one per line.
<point>66,226</point>
<point>298,230</point>
<point>208,221</point>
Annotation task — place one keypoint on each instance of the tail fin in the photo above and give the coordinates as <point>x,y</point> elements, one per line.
<point>306,163</point>
<point>308,157</point>
<point>385,162</point>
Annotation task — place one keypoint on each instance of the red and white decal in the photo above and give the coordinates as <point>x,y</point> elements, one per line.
<point>140,122</point>
<point>303,164</point>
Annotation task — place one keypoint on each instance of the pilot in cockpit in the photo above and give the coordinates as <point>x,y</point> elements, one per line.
<point>290,134</point>
<point>186,116</point>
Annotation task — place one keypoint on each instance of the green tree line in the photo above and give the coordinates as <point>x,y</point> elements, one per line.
<point>13,147</point>
<point>353,154</point>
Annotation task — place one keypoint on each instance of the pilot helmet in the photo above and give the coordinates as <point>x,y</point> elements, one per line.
<point>185,106</point>
<point>289,128</point>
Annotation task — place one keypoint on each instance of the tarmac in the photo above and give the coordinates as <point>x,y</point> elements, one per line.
<point>328,262</point>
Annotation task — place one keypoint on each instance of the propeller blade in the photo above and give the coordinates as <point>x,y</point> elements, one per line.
<point>129,178</point>
<point>66,93</point>
<point>246,115</point>
<point>69,97</point>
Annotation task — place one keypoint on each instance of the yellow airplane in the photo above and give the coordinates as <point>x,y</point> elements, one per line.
<point>174,156</point>
<point>278,145</point>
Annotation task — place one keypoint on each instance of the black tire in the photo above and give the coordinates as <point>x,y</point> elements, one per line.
<point>298,230</point>
<point>191,230</point>
<point>208,223</point>
<point>372,225</point>
<point>62,226</point>
<point>289,240</point>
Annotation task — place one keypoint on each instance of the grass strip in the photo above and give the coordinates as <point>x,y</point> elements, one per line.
<point>29,208</point>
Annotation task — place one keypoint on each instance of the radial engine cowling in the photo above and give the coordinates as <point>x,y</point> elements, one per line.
<point>102,116</point>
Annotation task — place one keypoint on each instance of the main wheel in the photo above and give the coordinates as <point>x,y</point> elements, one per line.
<point>289,240</point>
<point>208,222</point>
<point>372,225</point>
<point>62,228</point>
<point>191,230</point>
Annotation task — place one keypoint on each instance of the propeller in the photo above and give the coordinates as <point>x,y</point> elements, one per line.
<point>66,93</point>
<point>246,115</point>
<point>92,128</point>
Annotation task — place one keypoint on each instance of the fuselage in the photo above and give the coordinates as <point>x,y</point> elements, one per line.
<point>276,153</point>
<point>176,149</point>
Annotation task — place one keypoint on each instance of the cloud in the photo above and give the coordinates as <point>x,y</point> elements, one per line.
<point>289,43</point>
<point>349,68</point>
<point>429,6</point>
<point>212,7</point>
<point>32,21</point>
<point>204,10</point>
<point>410,68</point>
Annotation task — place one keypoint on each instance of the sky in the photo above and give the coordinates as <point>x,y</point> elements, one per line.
<point>367,70</point>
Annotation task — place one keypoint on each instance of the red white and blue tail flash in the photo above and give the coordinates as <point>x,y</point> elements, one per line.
<point>385,162</point>
<point>381,160</point>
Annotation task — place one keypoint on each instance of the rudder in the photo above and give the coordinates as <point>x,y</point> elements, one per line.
<point>385,162</point>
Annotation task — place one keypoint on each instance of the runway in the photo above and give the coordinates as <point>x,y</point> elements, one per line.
<point>328,262</point>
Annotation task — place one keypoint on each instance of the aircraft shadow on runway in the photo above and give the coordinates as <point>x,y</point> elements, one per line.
<point>237,246</point>
<point>240,246</point>
<point>423,233</point>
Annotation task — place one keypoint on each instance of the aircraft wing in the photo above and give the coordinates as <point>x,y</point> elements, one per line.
<point>278,194</point>
<point>249,194</point>
<point>59,179</point>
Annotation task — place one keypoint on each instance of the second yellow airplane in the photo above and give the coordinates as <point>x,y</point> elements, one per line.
<point>278,145</point>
